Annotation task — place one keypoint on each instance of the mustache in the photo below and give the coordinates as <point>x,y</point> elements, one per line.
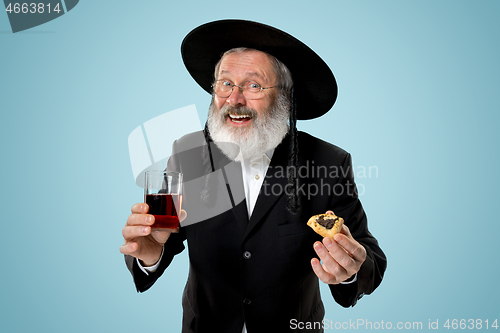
<point>238,110</point>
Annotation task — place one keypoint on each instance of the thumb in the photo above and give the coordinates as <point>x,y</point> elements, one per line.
<point>345,230</point>
<point>182,215</point>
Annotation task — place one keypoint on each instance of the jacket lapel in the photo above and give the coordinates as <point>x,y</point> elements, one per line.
<point>273,186</point>
<point>234,183</point>
<point>237,192</point>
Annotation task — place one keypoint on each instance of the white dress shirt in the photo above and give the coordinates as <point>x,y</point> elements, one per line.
<point>254,171</point>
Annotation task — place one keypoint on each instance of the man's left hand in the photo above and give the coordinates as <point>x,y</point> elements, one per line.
<point>342,257</point>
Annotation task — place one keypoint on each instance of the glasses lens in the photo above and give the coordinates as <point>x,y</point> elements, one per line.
<point>223,88</point>
<point>251,90</point>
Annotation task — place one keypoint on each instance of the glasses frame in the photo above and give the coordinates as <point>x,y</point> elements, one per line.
<point>241,89</point>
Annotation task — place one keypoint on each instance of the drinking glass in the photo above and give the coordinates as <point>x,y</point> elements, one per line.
<point>163,194</point>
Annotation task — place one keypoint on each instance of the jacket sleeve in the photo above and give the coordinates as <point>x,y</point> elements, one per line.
<point>144,281</point>
<point>347,205</point>
<point>172,247</point>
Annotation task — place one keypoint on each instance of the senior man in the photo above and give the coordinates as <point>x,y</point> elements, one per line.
<point>255,266</point>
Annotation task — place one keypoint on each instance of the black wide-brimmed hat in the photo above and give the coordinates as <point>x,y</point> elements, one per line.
<point>315,87</point>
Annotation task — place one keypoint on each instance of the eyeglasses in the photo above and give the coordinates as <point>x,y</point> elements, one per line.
<point>249,89</point>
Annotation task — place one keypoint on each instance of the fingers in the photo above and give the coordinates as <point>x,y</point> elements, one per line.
<point>130,232</point>
<point>323,275</point>
<point>138,224</point>
<point>139,216</point>
<point>340,255</point>
<point>140,219</point>
<point>350,245</point>
<point>342,258</point>
<point>140,208</point>
<point>140,240</point>
<point>333,257</point>
<point>162,235</point>
<point>345,230</point>
<point>129,248</point>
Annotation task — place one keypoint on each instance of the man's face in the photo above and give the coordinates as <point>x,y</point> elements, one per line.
<point>240,68</point>
<point>254,125</point>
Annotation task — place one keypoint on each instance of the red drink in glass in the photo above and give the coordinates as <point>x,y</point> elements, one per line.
<point>165,208</point>
<point>163,194</point>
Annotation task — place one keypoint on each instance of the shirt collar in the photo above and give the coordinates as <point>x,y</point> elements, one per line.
<point>269,155</point>
<point>265,157</point>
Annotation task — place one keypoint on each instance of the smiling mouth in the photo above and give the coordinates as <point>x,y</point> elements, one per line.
<point>236,118</point>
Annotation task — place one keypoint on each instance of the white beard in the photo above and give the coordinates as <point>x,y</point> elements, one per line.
<point>265,133</point>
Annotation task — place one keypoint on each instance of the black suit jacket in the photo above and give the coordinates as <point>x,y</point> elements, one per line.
<point>258,270</point>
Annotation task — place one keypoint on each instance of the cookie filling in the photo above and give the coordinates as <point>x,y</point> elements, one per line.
<point>326,223</point>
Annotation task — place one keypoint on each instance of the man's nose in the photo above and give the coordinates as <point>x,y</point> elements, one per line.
<point>236,98</point>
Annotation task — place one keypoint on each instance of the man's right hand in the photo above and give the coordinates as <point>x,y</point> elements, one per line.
<point>140,242</point>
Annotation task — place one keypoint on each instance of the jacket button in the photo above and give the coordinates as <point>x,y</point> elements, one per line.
<point>247,255</point>
<point>246,301</point>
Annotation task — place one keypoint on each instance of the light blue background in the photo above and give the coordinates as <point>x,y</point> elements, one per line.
<point>418,99</point>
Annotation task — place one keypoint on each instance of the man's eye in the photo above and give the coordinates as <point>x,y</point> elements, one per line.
<point>253,85</point>
<point>226,83</point>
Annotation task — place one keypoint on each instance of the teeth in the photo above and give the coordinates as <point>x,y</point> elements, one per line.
<point>234,116</point>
